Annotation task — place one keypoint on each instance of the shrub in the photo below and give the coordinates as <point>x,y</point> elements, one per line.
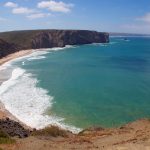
<point>5,139</point>
<point>53,131</point>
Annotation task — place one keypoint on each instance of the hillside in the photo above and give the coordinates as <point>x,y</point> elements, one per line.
<point>8,48</point>
<point>35,39</point>
<point>133,136</point>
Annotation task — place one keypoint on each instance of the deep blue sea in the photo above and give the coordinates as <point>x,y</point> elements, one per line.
<point>76,87</point>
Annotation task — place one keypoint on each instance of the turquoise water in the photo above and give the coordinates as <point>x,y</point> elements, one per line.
<point>99,84</point>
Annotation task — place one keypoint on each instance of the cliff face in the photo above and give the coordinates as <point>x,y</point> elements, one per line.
<point>7,48</point>
<point>35,39</point>
<point>61,38</point>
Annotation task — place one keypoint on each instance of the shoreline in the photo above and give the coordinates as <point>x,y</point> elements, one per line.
<point>4,113</point>
<point>14,56</point>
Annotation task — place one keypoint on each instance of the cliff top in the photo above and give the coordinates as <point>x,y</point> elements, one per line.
<point>24,37</point>
<point>35,39</point>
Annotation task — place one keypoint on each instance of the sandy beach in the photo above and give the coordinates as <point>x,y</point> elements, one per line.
<point>3,112</point>
<point>15,55</point>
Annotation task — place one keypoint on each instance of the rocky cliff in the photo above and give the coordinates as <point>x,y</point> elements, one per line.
<point>8,48</point>
<point>34,39</point>
<point>61,38</point>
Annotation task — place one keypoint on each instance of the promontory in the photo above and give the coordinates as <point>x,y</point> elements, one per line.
<point>14,41</point>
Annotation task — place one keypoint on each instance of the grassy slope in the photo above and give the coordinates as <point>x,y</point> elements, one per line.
<point>18,37</point>
<point>133,136</point>
<point>5,138</point>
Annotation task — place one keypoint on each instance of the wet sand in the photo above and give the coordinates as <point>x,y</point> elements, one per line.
<point>15,55</point>
<point>4,76</point>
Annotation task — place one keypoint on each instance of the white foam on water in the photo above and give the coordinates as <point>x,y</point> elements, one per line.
<point>28,103</point>
<point>111,43</point>
<point>36,54</point>
<point>23,63</point>
<point>7,84</point>
<point>96,44</point>
<point>127,40</point>
<point>36,58</point>
<point>103,44</point>
<point>61,48</point>
<point>5,65</point>
<point>40,53</point>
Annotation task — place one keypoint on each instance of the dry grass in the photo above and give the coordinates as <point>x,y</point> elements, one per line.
<point>53,131</point>
<point>5,139</point>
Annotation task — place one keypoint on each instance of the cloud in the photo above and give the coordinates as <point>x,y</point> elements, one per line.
<point>55,6</point>
<point>38,15</point>
<point>16,9</point>
<point>145,18</point>
<point>10,4</point>
<point>22,10</point>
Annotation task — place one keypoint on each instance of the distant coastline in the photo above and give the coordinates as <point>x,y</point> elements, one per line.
<point>113,34</point>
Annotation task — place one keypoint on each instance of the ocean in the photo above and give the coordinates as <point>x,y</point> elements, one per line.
<point>77,87</point>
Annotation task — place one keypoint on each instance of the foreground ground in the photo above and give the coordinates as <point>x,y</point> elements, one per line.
<point>133,136</point>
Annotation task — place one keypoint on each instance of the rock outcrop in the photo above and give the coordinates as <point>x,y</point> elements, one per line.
<point>13,128</point>
<point>11,42</point>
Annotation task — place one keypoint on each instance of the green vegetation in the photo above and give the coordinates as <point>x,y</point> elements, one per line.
<point>5,139</point>
<point>24,38</point>
<point>50,131</point>
<point>19,37</point>
<point>14,41</point>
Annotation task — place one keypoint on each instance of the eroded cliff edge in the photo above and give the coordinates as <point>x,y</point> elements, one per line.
<point>35,39</point>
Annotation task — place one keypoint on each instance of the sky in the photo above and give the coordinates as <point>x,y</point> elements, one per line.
<point>125,16</point>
